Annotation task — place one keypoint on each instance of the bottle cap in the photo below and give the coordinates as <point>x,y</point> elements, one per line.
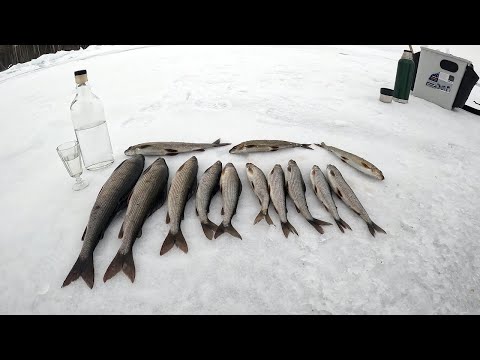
<point>81,77</point>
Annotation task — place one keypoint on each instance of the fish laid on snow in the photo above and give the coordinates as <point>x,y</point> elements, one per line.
<point>296,191</point>
<point>277,190</point>
<point>231,188</point>
<point>345,192</point>
<point>148,195</point>
<point>324,194</point>
<point>111,199</point>
<point>208,186</point>
<point>257,179</point>
<point>253,146</point>
<point>355,161</point>
<point>181,190</point>
<point>170,148</point>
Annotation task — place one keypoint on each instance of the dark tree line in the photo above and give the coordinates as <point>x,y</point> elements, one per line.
<point>14,54</point>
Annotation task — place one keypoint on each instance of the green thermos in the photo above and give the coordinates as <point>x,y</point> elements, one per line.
<point>404,79</point>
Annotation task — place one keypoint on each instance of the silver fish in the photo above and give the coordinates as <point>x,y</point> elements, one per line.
<point>252,146</point>
<point>324,194</point>
<point>110,200</point>
<point>148,195</point>
<point>277,190</point>
<point>208,186</point>
<point>170,148</point>
<point>296,190</point>
<point>258,181</point>
<point>345,192</point>
<point>355,161</point>
<point>231,188</point>
<point>181,190</point>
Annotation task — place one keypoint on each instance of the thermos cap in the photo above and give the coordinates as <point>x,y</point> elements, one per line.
<point>386,95</point>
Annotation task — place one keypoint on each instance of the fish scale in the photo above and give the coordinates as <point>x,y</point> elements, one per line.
<point>345,192</point>
<point>111,198</point>
<point>147,196</point>
<point>182,187</point>
<point>276,184</point>
<point>207,187</point>
<point>231,188</point>
<point>296,191</point>
<point>324,194</point>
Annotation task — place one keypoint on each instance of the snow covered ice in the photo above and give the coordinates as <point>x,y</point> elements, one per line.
<point>428,204</point>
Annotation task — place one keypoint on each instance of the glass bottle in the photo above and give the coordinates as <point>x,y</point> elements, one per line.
<point>90,126</point>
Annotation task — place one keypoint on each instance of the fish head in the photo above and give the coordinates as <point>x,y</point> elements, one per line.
<point>250,170</point>
<point>160,161</point>
<point>237,149</point>
<point>378,174</point>
<point>130,151</point>
<point>315,170</point>
<point>332,170</point>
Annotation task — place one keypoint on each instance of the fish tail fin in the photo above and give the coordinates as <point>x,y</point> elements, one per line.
<point>228,229</point>
<point>174,239</point>
<point>121,262</point>
<point>306,146</point>
<point>288,228</point>
<point>83,268</point>
<point>317,224</point>
<point>217,143</point>
<point>322,145</point>
<point>209,229</point>
<point>342,224</point>
<point>372,227</point>
<point>262,216</point>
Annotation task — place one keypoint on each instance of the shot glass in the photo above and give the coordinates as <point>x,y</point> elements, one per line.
<point>70,155</point>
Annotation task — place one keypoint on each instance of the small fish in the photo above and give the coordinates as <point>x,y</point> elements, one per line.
<point>257,179</point>
<point>182,188</point>
<point>170,148</point>
<point>296,191</point>
<point>277,190</point>
<point>208,186</point>
<point>324,194</point>
<point>231,188</point>
<point>110,200</point>
<point>252,146</point>
<point>345,192</point>
<point>147,196</point>
<point>355,161</point>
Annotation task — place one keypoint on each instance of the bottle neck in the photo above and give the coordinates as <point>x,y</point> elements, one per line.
<point>83,89</point>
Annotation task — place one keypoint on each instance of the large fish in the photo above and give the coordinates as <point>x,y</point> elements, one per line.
<point>257,179</point>
<point>345,192</point>
<point>252,146</point>
<point>231,188</point>
<point>324,194</point>
<point>296,190</point>
<point>207,188</point>
<point>277,190</point>
<point>181,190</point>
<point>111,199</point>
<point>355,161</point>
<point>147,196</point>
<point>170,148</point>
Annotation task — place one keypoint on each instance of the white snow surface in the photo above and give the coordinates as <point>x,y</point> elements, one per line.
<point>428,204</point>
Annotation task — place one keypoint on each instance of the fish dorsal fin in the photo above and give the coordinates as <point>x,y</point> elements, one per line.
<point>196,211</point>
<point>216,142</point>
<point>315,189</point>
<point>303,184</point>
<point>171,150</point>
<point>120,234</point>
<point>143,146</point>
<point>84,233</point>
<point>167,220</point>
<point>139,233</point>
<point>273,148</point>
<point>193,188</point>
<point>240,187</point>
<point>365,165</point>
<point>222,212</point>
<point>199,150</point>
<point>296,207</point>
<point>339,193</point>
<point>253,186</point>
